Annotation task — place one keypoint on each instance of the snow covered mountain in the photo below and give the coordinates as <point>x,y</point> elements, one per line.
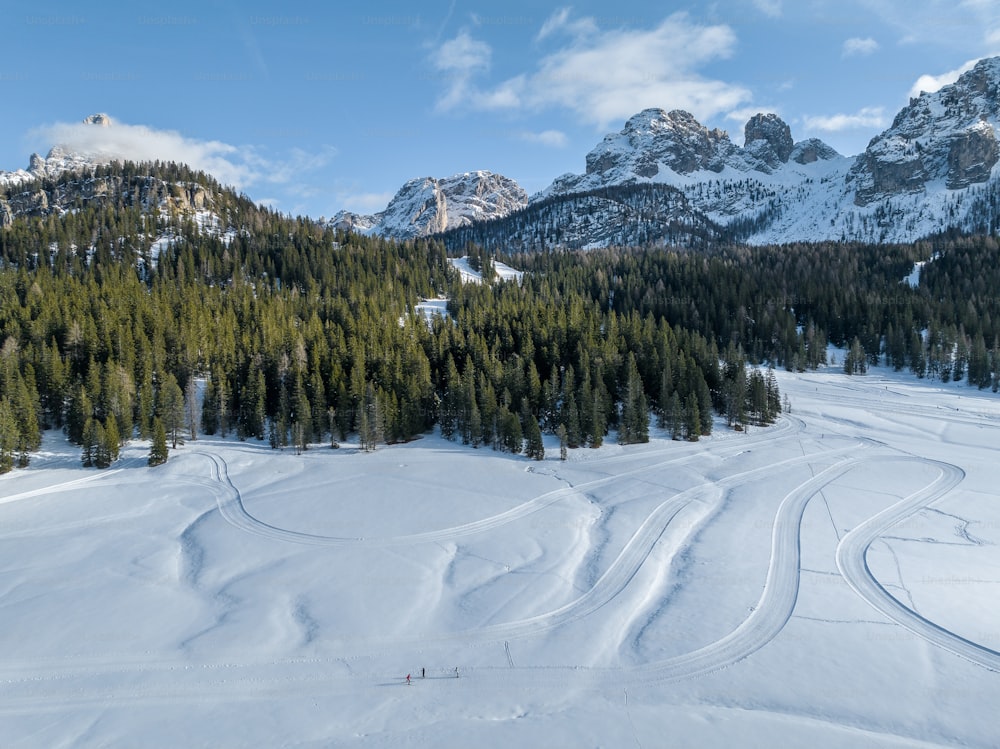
<point>59,160</point>
<point>934,169</point>
<point>635,215</point>
<point>427,205</point>
<point>945,139</point>
<point>674,148</point>
<point>65,179</point>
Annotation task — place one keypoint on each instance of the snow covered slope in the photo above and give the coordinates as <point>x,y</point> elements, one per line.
<point>828,582</point>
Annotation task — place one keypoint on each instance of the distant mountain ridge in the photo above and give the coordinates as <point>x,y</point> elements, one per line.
<point>935,169</point>
<point>430,205</point>
<point>58,161</point>
<point>674,148</point>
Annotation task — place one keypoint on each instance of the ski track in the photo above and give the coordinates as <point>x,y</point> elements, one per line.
<point>853,565</point>
<point>232,508</point>
<point>67,683</point>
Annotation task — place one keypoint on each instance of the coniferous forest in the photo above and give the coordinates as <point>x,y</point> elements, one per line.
<point>118,320</point>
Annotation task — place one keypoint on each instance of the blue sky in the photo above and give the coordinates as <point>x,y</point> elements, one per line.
<point>314,107</point>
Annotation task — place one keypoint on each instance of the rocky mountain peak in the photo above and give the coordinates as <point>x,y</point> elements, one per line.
<point>673,148</point>
<point>430,205</point>
<point>100,119</point>
<point>949,135</point>
<point>768,138</point>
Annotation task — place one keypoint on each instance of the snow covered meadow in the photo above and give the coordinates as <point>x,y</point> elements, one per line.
<point>831,581</point>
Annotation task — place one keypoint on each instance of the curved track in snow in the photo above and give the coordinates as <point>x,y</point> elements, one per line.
<point>57,685</point>
<point>689,505</point>
<point>777,600</point>
<point>776,603</point>
<point>853,565</point>
<point>232,507</point>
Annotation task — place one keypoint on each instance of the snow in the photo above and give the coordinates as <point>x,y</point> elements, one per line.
<point>469,275</point>
<point>431,308</point>
<point>913,280</point>
<point>830,581</point>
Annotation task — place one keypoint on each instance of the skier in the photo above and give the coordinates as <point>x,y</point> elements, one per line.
<point>423,673</point>
<point>456,672</point>
<point>407,679</point>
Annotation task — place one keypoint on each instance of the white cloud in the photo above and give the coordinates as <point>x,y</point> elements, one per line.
<point>463,53</point>
<point>856,46</point>
<point>298,163</point>
<point>560,21</point>
<point>553,138</point>
<point>931,83</point>
<point>769,7</point>
<point>867,117</point>
<point>608,76</point>
<point>365,202</point>
<point>965,26</point>
<point>459,60</point>
<point>231,165</point>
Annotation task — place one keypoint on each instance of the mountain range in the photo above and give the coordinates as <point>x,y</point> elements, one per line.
<point>667,179</point>
<point>932,170</point>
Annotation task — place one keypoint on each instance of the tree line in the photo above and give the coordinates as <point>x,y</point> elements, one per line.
<point>122,319</point>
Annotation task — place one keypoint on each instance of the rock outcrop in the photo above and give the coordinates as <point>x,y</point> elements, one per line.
<point>430,205</point>
<point>947,136</point>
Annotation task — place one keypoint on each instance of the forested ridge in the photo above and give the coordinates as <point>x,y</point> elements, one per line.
<point>122,316</point>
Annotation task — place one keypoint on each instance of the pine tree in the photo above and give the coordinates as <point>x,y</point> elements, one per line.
<point>170,409</point>
<point>158,452</point>
<point>509,435</point>
<point>192,409</point>
<point>634,425</point>
<point>692,418</point>
<point>89,442</point>
<point>599,422</point>
<point>9,436</point>
<point>210,408</point>
<point>674,416</point>
<point>110,444</point>
<point>533,433</point>
<point>80,410</point>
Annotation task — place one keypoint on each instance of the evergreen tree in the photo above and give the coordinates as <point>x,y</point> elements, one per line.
<point>9,436</point>
<point>674,417</point>
<point>170,409</point>
<point>692,418</point>
<point>80,411</point>
<point>634,426</point>
<point>90,443</point>
<point>210,408</point>
<point>533,434</point>
<point>112,441</point>
<point>192,409</point>
<point>158,452</point>
<point>511,434</point>
<point>598,418</point>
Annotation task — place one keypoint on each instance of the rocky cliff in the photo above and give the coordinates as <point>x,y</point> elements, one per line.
<point>947,138</point>
<point>428,205</point>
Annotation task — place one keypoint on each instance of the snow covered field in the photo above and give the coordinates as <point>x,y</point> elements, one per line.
<point>832,581</point>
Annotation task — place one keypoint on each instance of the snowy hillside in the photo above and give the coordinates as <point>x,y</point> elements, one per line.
<point>828,582</point>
